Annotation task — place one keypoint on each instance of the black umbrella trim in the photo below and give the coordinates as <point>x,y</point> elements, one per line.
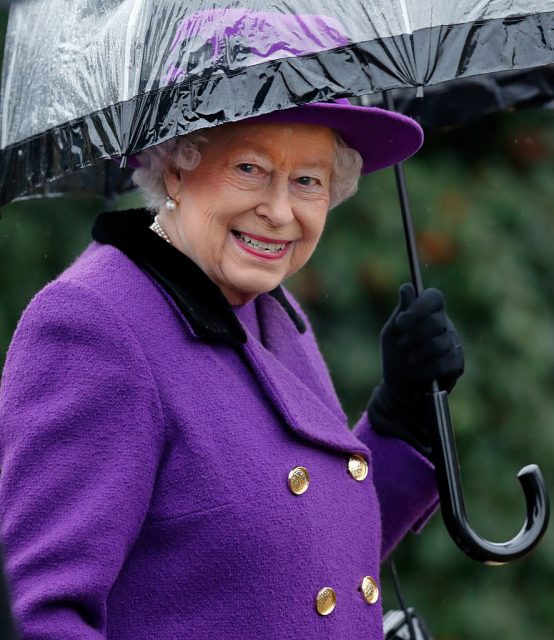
<point>428,57</point>
<point>460,102</point>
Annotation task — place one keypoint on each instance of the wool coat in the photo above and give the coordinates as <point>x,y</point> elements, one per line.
<point>147,439</point>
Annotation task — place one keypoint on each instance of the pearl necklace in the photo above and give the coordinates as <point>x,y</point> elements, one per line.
<point>158,229</point>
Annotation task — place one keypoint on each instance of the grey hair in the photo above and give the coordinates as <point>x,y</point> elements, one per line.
<point>183,152</point>
<point>346,172</point>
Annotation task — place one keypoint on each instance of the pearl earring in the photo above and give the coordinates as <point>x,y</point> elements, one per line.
<point>170,204</point>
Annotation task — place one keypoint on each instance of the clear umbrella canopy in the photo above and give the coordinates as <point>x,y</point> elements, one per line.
<point>89,80</point>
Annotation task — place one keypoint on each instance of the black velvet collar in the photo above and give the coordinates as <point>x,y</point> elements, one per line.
<point>198,298</point>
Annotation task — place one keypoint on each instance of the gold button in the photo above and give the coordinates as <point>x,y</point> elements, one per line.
<point>370,590</point>
<point>299,480</point>
<point>325,601</point>
<point>357,467</point>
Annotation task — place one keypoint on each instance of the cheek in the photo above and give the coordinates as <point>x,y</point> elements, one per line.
<point>203,235</point>
<point>232,204</point>
<point>314,224</point>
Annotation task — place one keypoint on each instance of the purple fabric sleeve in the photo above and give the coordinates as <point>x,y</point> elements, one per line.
<point>405,485</point>
<point>79,452</point>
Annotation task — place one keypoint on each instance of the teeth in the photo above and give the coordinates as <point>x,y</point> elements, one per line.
<point>264,246</point>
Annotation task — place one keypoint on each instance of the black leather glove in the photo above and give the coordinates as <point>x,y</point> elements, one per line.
<point>419,344</point>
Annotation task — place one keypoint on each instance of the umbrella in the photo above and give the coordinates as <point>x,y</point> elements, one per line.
<point>91,81</point>
<point>113,64</point>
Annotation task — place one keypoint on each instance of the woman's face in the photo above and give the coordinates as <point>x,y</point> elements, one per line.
<point>252,212</point>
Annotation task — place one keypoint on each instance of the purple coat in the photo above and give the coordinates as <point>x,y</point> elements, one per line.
<point>144,462</point>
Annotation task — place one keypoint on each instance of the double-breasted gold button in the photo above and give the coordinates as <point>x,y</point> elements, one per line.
<point>358,467</point>
<point>325,601</point>
<point>370,590</point>
<point>299,480</point>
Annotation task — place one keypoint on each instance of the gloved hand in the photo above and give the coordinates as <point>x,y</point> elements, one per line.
<point>419,344</point>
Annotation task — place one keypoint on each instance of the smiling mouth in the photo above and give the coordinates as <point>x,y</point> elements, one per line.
<point>261,246</point>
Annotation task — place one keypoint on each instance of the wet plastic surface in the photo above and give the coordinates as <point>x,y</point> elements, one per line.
<point>89,80</point>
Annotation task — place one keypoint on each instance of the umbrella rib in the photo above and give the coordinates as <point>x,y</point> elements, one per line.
<point>406,16</point>
<point>130,47</point>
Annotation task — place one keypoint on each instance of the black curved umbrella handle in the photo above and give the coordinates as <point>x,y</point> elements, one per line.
<point>444,447</point>
<point>452,499</point>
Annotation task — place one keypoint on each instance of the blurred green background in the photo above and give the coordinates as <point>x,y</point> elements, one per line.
<point>483,200</point>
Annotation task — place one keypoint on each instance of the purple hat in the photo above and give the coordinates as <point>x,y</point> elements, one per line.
<point>381,137</point>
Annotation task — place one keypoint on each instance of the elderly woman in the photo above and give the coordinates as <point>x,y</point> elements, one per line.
<point>175,461</point>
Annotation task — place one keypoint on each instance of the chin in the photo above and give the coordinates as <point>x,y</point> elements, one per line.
<point>250,289</point>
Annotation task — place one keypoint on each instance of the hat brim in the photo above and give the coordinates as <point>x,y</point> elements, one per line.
<point>383,138</point>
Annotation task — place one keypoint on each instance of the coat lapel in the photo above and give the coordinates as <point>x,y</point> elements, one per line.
<point>291,383</point>
<point>281,337</point>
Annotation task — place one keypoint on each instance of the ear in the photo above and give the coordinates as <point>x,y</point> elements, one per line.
<point>173,182</point>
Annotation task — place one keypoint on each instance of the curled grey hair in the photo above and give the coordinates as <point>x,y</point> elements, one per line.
<point>183,152</point>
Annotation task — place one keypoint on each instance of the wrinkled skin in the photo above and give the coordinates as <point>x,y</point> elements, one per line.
<point>268,180</point>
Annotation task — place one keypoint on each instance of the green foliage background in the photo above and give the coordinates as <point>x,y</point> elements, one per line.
<point>483,204</point>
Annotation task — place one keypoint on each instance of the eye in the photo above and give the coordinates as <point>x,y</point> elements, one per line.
<point>307,181</point>
<point>247,167</point>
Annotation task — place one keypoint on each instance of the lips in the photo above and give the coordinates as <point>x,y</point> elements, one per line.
<point>260,246</point>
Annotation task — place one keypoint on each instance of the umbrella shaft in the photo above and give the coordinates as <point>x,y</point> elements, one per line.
<point>409,233</point>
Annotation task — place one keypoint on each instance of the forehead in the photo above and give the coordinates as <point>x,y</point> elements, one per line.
<point>278,141</point>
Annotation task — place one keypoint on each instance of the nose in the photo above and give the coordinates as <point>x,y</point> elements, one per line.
<point>276,207</point>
